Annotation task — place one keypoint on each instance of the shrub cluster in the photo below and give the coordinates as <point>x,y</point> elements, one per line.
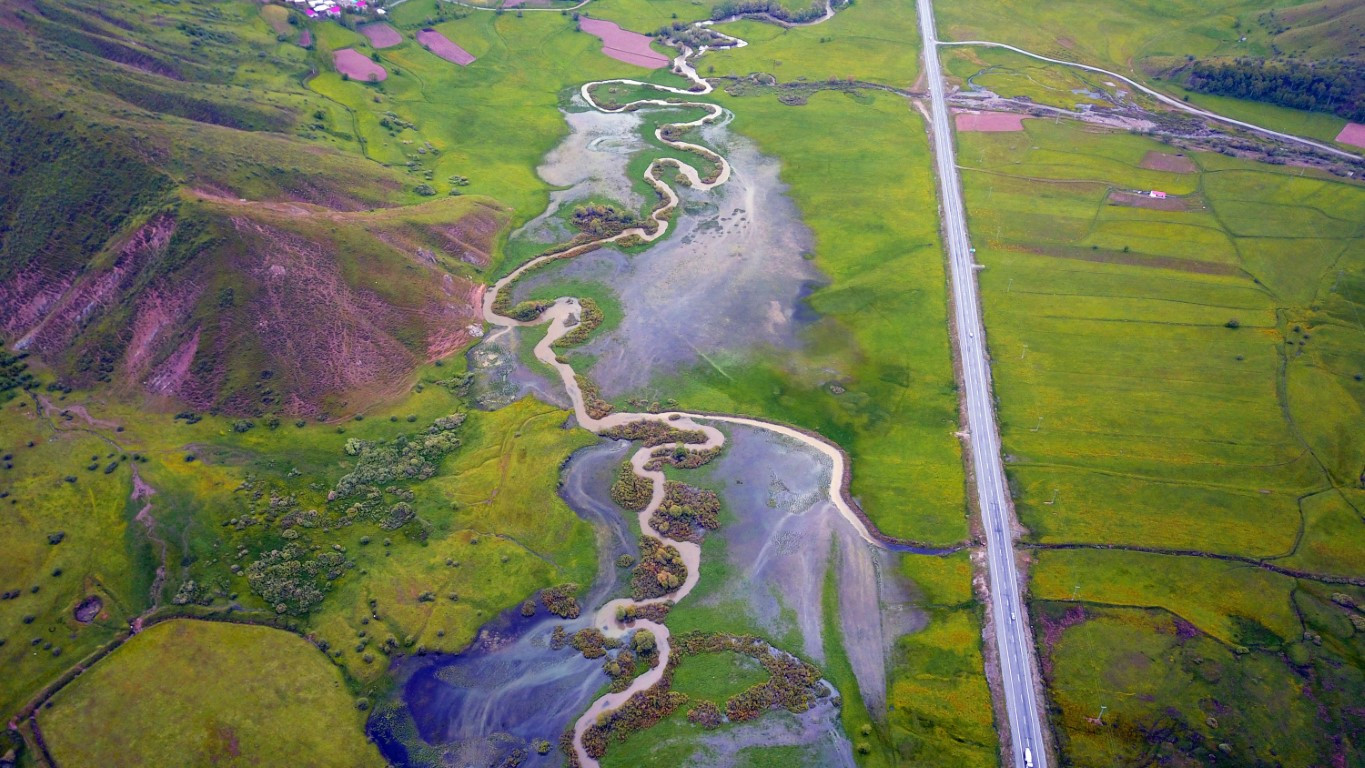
<point>560,600</point>
<point>601,220</point>
<point>660,571</point>
<point>291,581</point>
<point>640,711</point>
<point>630,490</point>
<point>793,684</point>
<point>654,433</point>
<point>686,512</point>
<point>381,463</point>
<point>590,317</point>
<point>592,398</point>
<point>681,458</point>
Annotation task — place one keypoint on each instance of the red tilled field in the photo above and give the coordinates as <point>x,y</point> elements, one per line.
<point>623,45</point>
<point>1160,161</point>
<point>989,122</point>
<point>305,39</point>
<point>1353,134</point>
<point>357,66</point>
<point>381,35</point>
<point>438,44</point>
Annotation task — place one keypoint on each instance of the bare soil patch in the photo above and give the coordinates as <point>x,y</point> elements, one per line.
<point>305,39</point>
<point>438,44</point>
<point>624,45</point>
<point>358,66</point>
<point>989,122</point>
<point>1161,161</point>
<point>381,35</point>
<point>1353,134</point>
<point>1141,200</point>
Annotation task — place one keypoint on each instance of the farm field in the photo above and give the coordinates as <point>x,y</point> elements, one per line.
<point>1152,368</point>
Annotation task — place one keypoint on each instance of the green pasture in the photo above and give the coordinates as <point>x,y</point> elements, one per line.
<point>871,40</point>
<point>197,693</point>
<point>1123,676</point>
<point>69,535</point>
<point>1153,389</point>
<point>876,238</point>
<point>1181,380</point>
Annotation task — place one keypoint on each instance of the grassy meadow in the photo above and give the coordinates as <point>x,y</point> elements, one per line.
<point>197,693</point>
<point>875,41</point>
<point>1178,380</point>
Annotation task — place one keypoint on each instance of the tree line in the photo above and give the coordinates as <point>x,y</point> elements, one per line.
<point>1337,87</point>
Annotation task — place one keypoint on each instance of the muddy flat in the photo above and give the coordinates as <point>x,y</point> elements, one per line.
<point>1161,161</point>
<point>381,35</point>
<point>989,122</point>
<point>1353,134</point>
<point>440,45</point>
<point>624,45</point>
<point>358,66</point>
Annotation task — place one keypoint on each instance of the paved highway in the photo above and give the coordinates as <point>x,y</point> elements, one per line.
<point>1013,636</point>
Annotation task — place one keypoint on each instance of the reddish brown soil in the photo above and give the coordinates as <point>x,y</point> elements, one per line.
<point>381,35</point>
<point>989,122</point>
<point>1353,134</point>
<point>310,338</point>
<point>623,45</point>
<point>358,66</point>
<point>1172,203</point>
<point>1161,161</point>
<point>305,39</point>
<point>438,44</point>
<point>45,311</point>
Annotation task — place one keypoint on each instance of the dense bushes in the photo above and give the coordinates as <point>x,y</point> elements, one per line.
<point>601,220</point>
<point>652,433</point>
<point>382,463</point>
<point>1337,87</point>
<point>589,319</point>
<point>630,490</point>
<point>661,570</point>
<point>773,8</point>
<point>681,458</point>
<point>592,398</point>
<point>686,512</point>
<point>291,581</point>
<point>560,600</point>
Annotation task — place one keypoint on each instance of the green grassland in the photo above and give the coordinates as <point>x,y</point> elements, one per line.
<point>1177,380</point>
<point>872,41</point>
<point>1133,687</point>
<point>876,238</point>
<point>197,693</point>
<point>1186,433</point>
<point>940,706</point>
<point>1143,39</point>
<point>489,529</point>
<point>64,542</point>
